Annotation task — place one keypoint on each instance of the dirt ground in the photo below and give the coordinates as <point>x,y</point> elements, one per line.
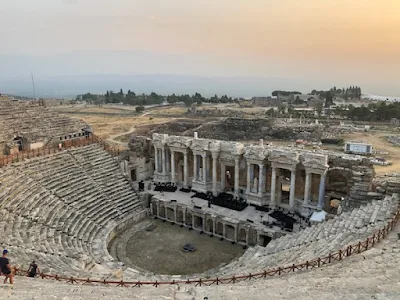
<point>378,141</point>
<point>159,250</point>
<point>109,122</point>
<point>117,123</point>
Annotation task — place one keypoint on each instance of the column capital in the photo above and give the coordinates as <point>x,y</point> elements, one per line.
<point>261,165</point>
<point>203,155</point>
<point>214,154</point>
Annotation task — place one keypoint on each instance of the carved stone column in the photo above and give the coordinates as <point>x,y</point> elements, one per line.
<point>236,189</point>
<point>173,166</point>
<point>158,209</point>
<point>185,170</point>
<point>204,168</point>
<point>292,188</point>
<point>163,160</point>
<point>307,187</point>
<point>321,196</point>
<point>260,179</point>
<point>155,160</point>
<point>214,173</point>
<point>223,176</point>
<point>279,190</point>
<point>273,186</point>
<point>194,167</point>
<point>248,187</point>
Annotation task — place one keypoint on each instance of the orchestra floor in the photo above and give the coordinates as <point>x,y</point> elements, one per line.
<point>160,250</point>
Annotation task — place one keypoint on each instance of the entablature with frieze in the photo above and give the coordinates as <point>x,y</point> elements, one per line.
<point>255,154</point>
<point>180,142</point>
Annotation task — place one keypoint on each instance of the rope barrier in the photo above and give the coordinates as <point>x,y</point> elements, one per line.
<point>311,264</point>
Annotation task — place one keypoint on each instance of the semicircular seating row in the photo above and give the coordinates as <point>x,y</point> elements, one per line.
<point>318,240</point>
<point>58,210</point>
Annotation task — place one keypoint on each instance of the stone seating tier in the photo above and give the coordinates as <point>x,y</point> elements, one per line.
<point>59,209</point>
<point>53,210</point>
<point>316,241</point>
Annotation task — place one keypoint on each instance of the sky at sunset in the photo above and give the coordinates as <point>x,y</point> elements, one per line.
<point>309,43</point>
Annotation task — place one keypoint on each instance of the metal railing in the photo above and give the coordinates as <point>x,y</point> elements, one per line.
<point>308,265</point>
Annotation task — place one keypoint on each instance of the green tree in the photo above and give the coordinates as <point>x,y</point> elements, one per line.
<point>139,109</point>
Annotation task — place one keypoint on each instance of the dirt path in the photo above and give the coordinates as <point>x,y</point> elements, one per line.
<point>112,138</point>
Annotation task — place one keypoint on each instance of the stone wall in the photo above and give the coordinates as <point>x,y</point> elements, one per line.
<point>241,129</point>
<point>331,174</point>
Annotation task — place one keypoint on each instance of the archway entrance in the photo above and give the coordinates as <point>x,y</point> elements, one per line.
<point>264,240</point>
<point>133,175</point>
<point>18,141</point>
<point>285,185</point>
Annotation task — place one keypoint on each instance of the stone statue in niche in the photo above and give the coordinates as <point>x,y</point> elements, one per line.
<point>228,180</point>
<point>255,185</point>
<point>200,174</point>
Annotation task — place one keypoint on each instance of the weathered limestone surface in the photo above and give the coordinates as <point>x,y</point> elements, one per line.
<point>217,166</point>
<point>370,275</point>
<point>61,210</point>
<point>34,123</point>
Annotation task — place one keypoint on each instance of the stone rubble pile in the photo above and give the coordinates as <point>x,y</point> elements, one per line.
<point>394,139</point>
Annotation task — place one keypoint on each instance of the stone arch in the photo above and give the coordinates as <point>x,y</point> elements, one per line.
<point>19,141</point>
<point>179,216</point>
<point>188,218</point>
<point>154,208</point>
<point>242,235</point>
<point>230,231</point>
<point>219,229</point>
<point>170,214</point>
<point>210,225</point>
<point>252,236</point>
<point>162,210</point>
